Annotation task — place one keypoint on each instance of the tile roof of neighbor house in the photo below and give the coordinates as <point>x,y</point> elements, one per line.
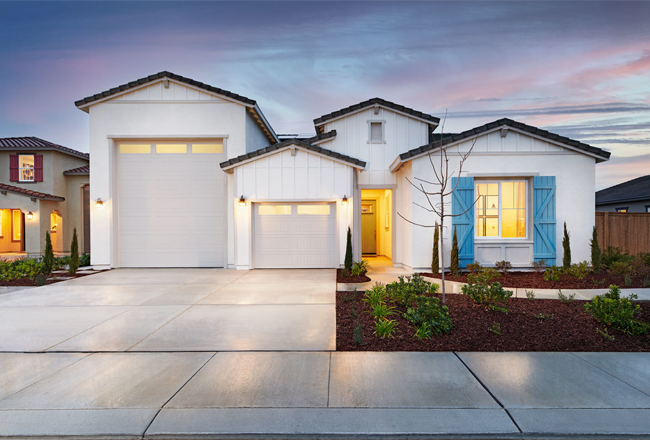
<point>256,113</point>
<point>376,101</point>
<point>307,137</point>
<point>287,143</point>
<point>34,143</point>
<point>80,171</point>
<point>29,193</point>
<point>635,189</point>
<point>505,122</point>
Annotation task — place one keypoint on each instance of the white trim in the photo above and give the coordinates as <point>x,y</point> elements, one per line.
<point>487,239</point>
<point>383,131</point>
<point>154,137</point>
<point>327,121</point>
<point>20,174</point>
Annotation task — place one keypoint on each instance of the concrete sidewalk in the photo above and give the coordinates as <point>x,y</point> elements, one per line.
<point>323,394</point>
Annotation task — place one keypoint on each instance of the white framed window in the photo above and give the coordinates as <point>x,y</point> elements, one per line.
<point>501,209</point>
<point>376,132</point>
<point>26,167</point>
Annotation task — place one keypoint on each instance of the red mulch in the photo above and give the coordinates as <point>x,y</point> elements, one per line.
<point>50,280</point>
<point>534,280</point>
<point>351,279</point>
<point>570,329</point>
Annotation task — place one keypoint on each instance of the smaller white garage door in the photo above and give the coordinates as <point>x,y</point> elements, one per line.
<point>294,235</point>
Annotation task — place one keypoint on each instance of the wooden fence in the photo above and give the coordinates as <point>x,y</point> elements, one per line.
<point>629,231</point>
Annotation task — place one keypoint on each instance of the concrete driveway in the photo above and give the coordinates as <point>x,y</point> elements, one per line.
<point>174,310</point>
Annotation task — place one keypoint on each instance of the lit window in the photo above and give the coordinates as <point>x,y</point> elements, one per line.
<point>274,210</point>
<point>135,148</point>
<point>171,148</point>
<point>26,167</point>
<point>17,224</point>
<point>621,209</point>
<point>376,132</point>
<point>313,209</point>
<point>207,148</point>
<point>647,208</point>
<point>501,209</point>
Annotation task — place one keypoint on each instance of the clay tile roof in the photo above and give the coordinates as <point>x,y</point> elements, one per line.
<point>635,189</point>
<point>34,143</point>
<point>376,101</point>
<point>81,171</point>
<point>30,193</point>
<point>505,122</point>
<point>271,148</point>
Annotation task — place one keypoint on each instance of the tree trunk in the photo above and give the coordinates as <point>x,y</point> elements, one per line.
<point>442,244</point>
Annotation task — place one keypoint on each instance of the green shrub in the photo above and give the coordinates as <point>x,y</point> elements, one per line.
<point>40,279</point>
<point>360,267</point>
<point>348,252</point>
<point>565,298</point>
<point>404,291</point>
<point>357,335</point>
<point>486,275</point>
<point>539,266</point>
<point>495,328</point>
<point>530,294</point>
<point>381,310</point>
<point>353,311</point>
<point>614,254</point>
<point>384,328</point>
<point>84,260</point>
<point>25,268</point>
<point>474,268</point>
<point>566,246</point>
<point>627,280</point>
<point>503,266</point>
<point>48,258</point>
<point>578,270</point>
<point>645,258</point>
<point>435,255</point>
<point>74,254</point>
<point>595,251</point>
<point>620,267</point>
<point>429,317</point>
<point>483,294</point>
<point>612,310</point>
<point>454,255</point>
<point>375,295</point>
<point>552,273</point>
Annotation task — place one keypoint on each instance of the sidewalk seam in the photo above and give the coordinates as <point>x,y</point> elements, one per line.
<point>489,392</point>
<point>329,380</point>
<point>609,374</point>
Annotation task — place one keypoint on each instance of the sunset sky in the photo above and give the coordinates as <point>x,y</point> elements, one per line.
<point>579,69</point>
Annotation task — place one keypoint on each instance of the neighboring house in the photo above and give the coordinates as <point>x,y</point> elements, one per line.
<point>192,175</point>
<point>630,196</point>
<point>43,187</point>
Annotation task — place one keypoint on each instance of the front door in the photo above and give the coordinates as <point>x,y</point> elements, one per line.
<point>368,227</point>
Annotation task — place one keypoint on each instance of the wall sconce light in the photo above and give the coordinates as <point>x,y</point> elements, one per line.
<point>344,202</point>
<point>30,215</point>
<point>99,203</point>
<point>242,201</point>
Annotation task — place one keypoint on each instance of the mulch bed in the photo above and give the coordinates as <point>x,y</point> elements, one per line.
<point>534,280</point>
<point>50,280</point>
<point>570,329</point>
<point>351,279</point>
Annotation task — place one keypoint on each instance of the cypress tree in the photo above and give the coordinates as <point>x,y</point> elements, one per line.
<point>454,255</point>
<point>348,252</point>
<point>74,254</point>
<point>595,251</point>
<point>48,258</point>
<point>435,258</point>
<point>566,260</point>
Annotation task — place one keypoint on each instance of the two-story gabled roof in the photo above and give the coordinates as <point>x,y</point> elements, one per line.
<point>32,143</point>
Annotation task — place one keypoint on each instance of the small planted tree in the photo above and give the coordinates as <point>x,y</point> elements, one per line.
<point>435,257</point>
<point>595,251</point>
<point>74,254</point>
<point>348,253</point>
<point>566,245</point>
<point>48,258</point>
<point>454,254</point>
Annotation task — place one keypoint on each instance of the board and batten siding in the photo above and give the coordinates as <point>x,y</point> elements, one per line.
<point>175,92</point>
<point>401,134</point>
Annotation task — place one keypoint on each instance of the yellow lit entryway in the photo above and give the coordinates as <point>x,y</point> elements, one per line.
<point>377,222</point>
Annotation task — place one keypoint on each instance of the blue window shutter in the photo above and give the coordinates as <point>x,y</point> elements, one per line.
<point>462,199</point>
<point>544,219</point>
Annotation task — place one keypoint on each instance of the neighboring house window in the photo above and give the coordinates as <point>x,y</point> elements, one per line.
<point>16,224</point>
<point>621,209</point>
<point>376,134</point>
<point>26,167</point>
<point>501,209</point>
<point>647,208</point>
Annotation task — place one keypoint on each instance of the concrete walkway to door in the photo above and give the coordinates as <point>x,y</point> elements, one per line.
<point>174,310</point>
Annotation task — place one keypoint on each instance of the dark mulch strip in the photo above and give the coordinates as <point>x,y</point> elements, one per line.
<point>357,279</point>
<point>28,282</point>
<point>570,329</point>
<point>534,280</point>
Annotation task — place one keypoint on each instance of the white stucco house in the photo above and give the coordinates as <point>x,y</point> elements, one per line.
<point>189,175</point>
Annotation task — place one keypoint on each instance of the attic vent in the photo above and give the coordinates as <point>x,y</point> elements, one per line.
<point>376,132</point>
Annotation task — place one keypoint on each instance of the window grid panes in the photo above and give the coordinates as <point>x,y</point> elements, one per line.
<point>501,209</point>
<point>274,210</point>
<point>26,168</point>
<point>171,148</point>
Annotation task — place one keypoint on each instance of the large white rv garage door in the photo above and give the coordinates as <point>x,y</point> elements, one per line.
<point>171,204</point>
<point>294,235</point>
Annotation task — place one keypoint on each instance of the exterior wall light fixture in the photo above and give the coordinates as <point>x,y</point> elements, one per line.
<point>99,203</point>
<point>344,202</point>
<point>30,215</point>
<point>242,201</point>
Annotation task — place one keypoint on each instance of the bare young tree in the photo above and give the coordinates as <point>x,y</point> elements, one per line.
<point>436,196</point>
